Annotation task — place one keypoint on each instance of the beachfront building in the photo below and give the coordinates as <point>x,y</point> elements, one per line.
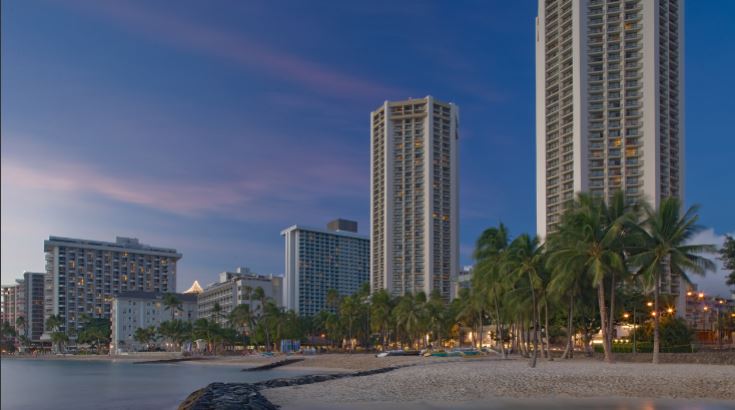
<point>25,299</point>
<point>82,276</point>
<point>609,105</point>
<point>237,288</point>
<point>414,195</point>
<point>318,260</point>
<point>13,298</point>
<point>134,310</point>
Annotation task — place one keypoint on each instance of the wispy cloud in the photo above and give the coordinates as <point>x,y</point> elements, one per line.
<point>268,187</point>
<point>191,36</point>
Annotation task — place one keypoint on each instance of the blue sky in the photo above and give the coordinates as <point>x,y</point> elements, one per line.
<point>211,126</point>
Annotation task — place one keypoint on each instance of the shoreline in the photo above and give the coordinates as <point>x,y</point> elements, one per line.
<point>366,361</point>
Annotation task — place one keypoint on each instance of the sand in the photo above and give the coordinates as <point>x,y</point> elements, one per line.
<point>474,382</point>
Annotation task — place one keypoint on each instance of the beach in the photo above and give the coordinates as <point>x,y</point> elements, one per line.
<point>476,381</point>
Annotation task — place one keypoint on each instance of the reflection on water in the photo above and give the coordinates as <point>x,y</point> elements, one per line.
<point>67,384</point>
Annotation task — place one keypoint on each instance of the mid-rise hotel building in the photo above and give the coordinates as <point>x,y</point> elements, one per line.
<point>25,299</point>
<point>609,103</point>
<point>237,288</point>
<point>414,195</point>
<point>13,302</point>
<point>318,260</point>
<point>83,276</point>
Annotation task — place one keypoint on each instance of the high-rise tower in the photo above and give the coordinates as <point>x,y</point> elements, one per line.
<point>414,195</point>
<point>609,102</point>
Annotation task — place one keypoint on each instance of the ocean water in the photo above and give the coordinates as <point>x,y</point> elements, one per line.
<point>74,384</point>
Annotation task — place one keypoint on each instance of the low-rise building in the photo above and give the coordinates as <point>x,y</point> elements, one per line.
<point>134,310</point>
<point>237,288</point>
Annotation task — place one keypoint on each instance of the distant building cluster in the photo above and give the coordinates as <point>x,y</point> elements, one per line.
<point>609,117</point>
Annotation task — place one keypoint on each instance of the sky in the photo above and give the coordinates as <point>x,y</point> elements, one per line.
<point>210,127</point>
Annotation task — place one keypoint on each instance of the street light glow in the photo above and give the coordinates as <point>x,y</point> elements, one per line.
<point>625,315</point>
<point>649,304</point>
<point>701,295</point>
<point>670,310</point>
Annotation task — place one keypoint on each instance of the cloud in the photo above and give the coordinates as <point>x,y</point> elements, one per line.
<point>273,186</point>
<point>713,283</point>
<point>191,36</point>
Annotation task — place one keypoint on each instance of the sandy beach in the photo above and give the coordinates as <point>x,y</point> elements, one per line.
<point>475,382</point>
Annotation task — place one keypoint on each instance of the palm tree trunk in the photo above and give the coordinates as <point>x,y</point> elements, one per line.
<point>569,351</point>
<point>656,336</point>
<point>603,321</point>
<point>481,332</point>
<point>499,328</point>
<point>534,317</point>
<point>610,324</point>
<point>546,333</point>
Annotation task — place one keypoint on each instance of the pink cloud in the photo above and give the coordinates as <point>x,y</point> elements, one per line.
<point>271,186</point>
<point>194,37</point>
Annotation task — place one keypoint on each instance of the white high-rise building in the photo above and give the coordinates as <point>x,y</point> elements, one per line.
<point>609,103</point>
<point>414,195</point>
<point>318,260</point>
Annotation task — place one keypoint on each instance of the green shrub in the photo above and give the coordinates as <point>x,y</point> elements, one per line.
<point>645,347</point>
<point>673,332</point>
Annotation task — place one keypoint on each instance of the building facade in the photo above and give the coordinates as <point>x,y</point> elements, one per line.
<point>609,104</point>
<point>25,299</point>
<point>463,280</point>
<point>414,194</point>
<point>82,276</point>
<point>318,260</point>
<point>609,101</point>
<point>33,283</point>
<point>237,288</point>
<point>13,301</point>
<point>134,310</point>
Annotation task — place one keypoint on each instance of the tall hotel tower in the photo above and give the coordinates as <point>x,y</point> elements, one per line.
<point>609,102</point>
<point>414,196</point>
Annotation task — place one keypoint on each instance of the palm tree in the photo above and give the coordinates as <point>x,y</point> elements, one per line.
<point>53,324</point>
<point>20,324</point>
<point>525,261</point>
<point>332,299</point>
<point>242,318</point>
<point>663,239</point>
<point>380,308</point>
<point>469,309</point>
<point>145,335</point>
<point>172,302</point>
<point>490,250</point>
<point>589,244</point>
<point>408,316</point>
<point>435,312</point>
<point>349,310</point>
<point>217,312</point>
